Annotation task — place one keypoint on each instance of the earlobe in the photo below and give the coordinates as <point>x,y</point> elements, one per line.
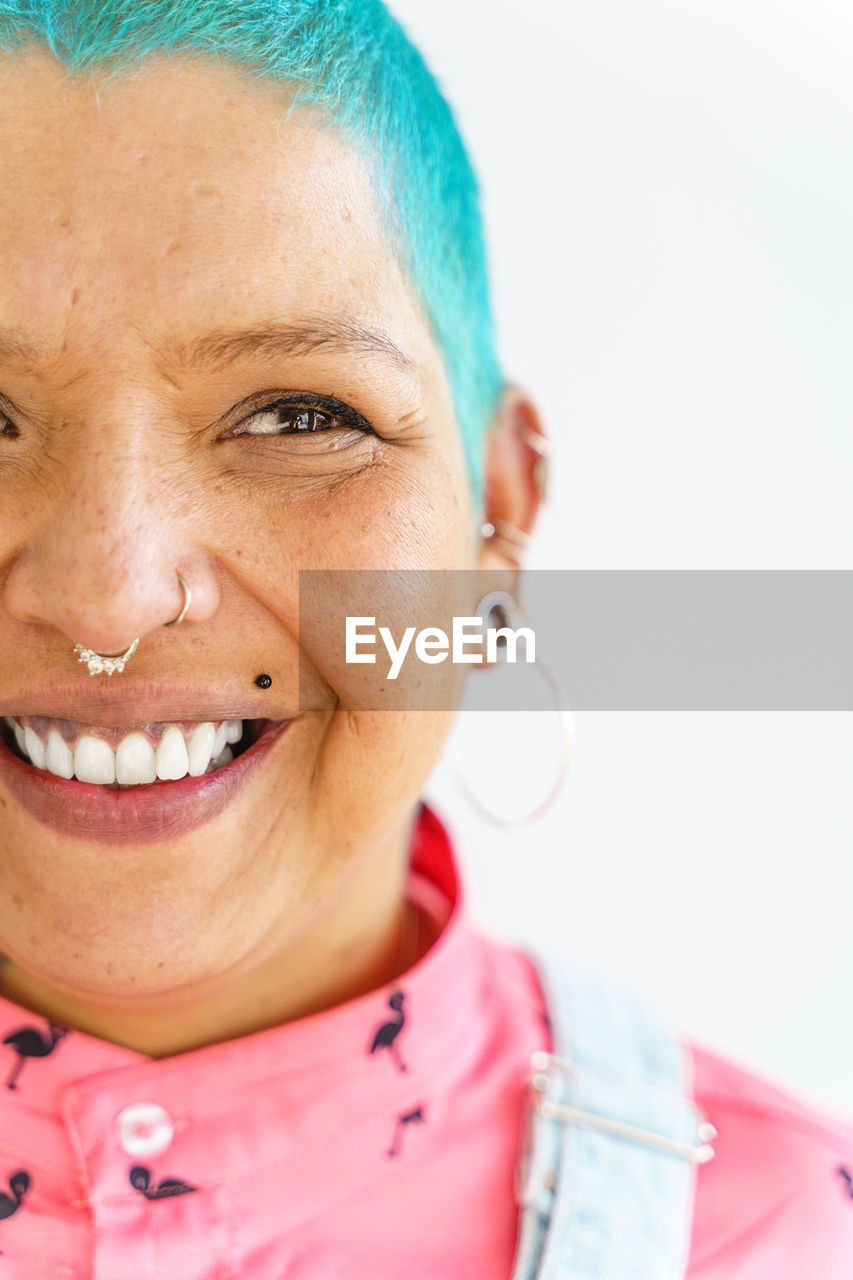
<point>515,464</point>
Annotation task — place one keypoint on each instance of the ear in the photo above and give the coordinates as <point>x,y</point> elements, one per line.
<point>514,478</point>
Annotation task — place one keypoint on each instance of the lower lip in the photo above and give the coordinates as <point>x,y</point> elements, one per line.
<point>161,811</point>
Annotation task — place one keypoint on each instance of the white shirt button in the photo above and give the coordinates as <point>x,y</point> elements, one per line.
<point>144,1129</point>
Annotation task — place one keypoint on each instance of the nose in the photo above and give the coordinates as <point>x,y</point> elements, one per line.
<point>99,560</point>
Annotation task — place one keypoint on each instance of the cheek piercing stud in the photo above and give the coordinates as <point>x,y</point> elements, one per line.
<point>263,681</point>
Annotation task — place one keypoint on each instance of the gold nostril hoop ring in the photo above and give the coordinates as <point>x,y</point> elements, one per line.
<point>188,596</point>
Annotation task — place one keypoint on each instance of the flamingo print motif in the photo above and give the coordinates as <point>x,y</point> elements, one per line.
<point>387,1033</point>
<point>140,1180</point>
<point>29,1042</point>
<point>408,1117</point>
<point>19,1185</point>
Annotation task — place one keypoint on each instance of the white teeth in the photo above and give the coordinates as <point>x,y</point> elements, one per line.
<point>94,760</point>
<point>200,749</point>
<point>172,759</point>
<point>220,741</point>
<point>219,762</point>
<point>59,759</point>
<point>34,748</point>
<point>135,761</point>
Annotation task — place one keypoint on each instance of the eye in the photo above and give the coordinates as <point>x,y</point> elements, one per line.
<point>299,416</point>
<point>7,427</point>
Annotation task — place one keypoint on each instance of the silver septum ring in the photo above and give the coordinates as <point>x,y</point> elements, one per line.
<point>188,597</point>
<point>101,664</point>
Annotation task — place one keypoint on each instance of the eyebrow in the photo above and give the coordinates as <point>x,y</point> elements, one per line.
<point>340,335</point>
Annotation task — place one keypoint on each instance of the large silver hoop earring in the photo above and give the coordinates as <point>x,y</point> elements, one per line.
<point>501,609</point>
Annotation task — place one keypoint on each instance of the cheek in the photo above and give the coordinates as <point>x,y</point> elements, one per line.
<point>368,765</point>
<point>303,556</point>
<point>403,512</point>
<point>369,774</point>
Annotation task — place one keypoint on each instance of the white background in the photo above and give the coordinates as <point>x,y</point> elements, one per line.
<point>669,203</point>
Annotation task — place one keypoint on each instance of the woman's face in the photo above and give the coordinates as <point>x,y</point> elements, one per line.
<point>178,256</point>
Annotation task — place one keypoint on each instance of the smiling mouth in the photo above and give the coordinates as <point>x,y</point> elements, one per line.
<point>129,757</point>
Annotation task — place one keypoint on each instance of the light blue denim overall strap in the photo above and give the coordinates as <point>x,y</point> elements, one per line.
<point>607,1177</point>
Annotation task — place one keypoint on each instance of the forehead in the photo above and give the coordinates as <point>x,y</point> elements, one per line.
<point>181,197</point>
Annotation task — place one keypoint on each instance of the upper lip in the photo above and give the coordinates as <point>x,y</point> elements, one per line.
<point>147,703</point>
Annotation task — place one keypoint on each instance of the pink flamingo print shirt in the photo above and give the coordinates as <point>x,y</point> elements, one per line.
<point>374,1139</point>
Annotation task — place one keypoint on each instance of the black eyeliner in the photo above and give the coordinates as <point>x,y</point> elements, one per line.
<point>323,404</point>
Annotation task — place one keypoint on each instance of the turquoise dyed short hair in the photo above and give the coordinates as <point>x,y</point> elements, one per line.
<point>351,59</point>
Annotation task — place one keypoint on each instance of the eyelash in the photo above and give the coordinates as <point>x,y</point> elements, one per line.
<point>319,413</point>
